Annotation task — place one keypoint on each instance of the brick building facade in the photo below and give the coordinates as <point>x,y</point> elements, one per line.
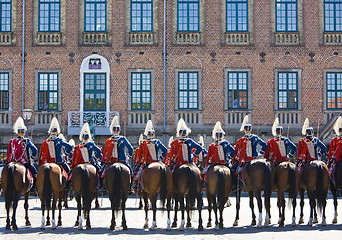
<point>225,59</point>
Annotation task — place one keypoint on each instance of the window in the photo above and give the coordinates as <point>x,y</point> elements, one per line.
<point>237,90</point>
<point>95,92</point>
<point>95,15</point>
<point>141,91</point>
<point>286,16</point>
<point>334,90</point>
<point>187,90</point>
<point>188,15</point>
<point>48,91</point>
<point>141,16</point>
<point>49,15</point>
<point>5,15</point>
<point>332,15</point>
<point>4,93</point>
<point>237,15</point>
<point>287,90</point>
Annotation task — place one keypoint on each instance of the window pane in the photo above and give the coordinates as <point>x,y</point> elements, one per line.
<point>237,15</point>
<point>4,92</point>
<point>286,16</point>
<point>237,90</point>
<point>95,91</point>
<point>95,15</point>
<point>188,90</point>
<point>5,16</point>
<point>49,15</point>
<point>334,90</point>
<point>188,15</point>
<point>141,91</point>
<point>287,90</point>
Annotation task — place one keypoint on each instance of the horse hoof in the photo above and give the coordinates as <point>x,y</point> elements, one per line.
<point>88,227</point>
<point>217,227</point>
<point>145,225</point>
<point>48,223</point>
<point>174,225</point>
<point>209,225</point>
<point>259,226</point>
<point>188,225</point>
<point>59,224</point>
<point>281,224</point>
<point>28,223</point>
<point>15,227</point>
<point>168,229</point>
<point>236,223</point>
<point>253,222</point>
<point>54,228</point>
<point>310,223</point>
<point>8,227</point>
<point>220,225</point>
<point>279,220</point>
<point>42,228</point>
<point>124,227</point>
<point>324,222</point>
<point>334,221</point>
<point>301,221</point>
<point>315,220</point>
<point>200,228</point>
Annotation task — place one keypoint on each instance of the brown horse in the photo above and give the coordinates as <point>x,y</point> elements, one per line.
<point>84,183</point>
<point>157,179</point>
<point>337,185</point>
<point>286,179</point>
<point>15,181</point>
<point>187,182</point>
<point>258,177</point>
<point>220,184</point>
<point>117,179</point>
<point>314,179</point>
<point>50,182</point>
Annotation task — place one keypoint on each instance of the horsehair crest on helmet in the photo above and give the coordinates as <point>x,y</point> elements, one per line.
<point>217,128</point>
<point>182,126</point>
<point>141,138</point>
<point>115,123</point>
<point>244,123</point>
<point>149,127</point>
<point>19,124</point>
<point>338,125</point>
<point>72,142</point>
<point>54,124</point>
<point>274,127</point>
<point>170,141</point>
<point>85,129</point>
<point>201,141</point>
<point>61,136</point>
<point>305,126</point>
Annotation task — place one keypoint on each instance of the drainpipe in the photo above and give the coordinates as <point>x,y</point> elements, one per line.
<point>164,63</point>
<point>23,61</point>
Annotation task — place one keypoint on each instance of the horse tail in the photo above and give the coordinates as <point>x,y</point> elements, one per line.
<point>163,185</point>
<point>47,188</point>
<point>292,183</point>
<point>85,177</point>
<point>267,184</point>
<point>192,181</point>
<point>221,187</point>
<point>321,194</point>
<point>10,191</point>
<point>117,187</point>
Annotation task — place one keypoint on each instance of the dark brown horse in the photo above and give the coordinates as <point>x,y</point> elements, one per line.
<point>187,183</point>
<point>84,183</point>
<point>15,181</point>
<point>219,184</point>
<point>258,177</point>
<point>50,182</point>
<point>117,179</point>
<point>337,185</point>
<point>314,179</point>
<point>286,179</point>
<point>157,179</point>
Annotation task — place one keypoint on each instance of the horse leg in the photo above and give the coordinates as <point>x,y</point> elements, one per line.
<point>65,198</point>
<point>60,209</point>
<point>8,221</point>
<point>315,220</point>
<point>238,196</point>
<point>312,206</point>
<point>281,206</point>
<point>334,193</point>
<point>15,205</point>
<point>97,205</point>
<point>88,225</point>
<point>251,205</point>
<point>146,209</point>
<point>154,209</point>
<point>324,223</point>
<point>53,212</point>
<point>294,204</point>
<point>259,202</point>
<point>48,223</point>
<point>79,212</point>
<point>123,207</point>
<point>182,208</point>
<point>301,194</point>
<point>112,225</point>
<point>27,223</point>
<point>168,207</point>
<point>174,224</point>
<point>214,203</point>
<point>209,211</point>
<point>199,207</point>
<point>188,209</point>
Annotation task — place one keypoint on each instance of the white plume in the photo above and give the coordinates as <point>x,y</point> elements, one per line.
<point>182,126</point>
<point>115,123</point>
<point>170,141</point>
<point>274,127</point>
<point>245,121</point>
<point>61,136</point>
<point>140,138</point>
<point>19,124</point>
<point>72,142</point>
<point>217,128</point>
<point>149,126</point>
<point>305,126</point>
<point>85,129</point>
<point>337,125</point>
<point>201,141</point>
<point>54,124</point>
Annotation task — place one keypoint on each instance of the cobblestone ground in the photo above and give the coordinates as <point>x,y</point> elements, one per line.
<point>100,221</point>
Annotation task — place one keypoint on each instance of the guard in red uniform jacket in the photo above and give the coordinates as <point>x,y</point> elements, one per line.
<point>277,147</point>
<point>220,151</point>
<point>200,158</point>
<point>181,148</point>
<point>152,150</point>
<point>52,148</point>
<point>21,149</point>
<point>309,148</point>
<point>168,156</point>
<point>335,149</point>
<point>246,146</point>
<point>137,161</point>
